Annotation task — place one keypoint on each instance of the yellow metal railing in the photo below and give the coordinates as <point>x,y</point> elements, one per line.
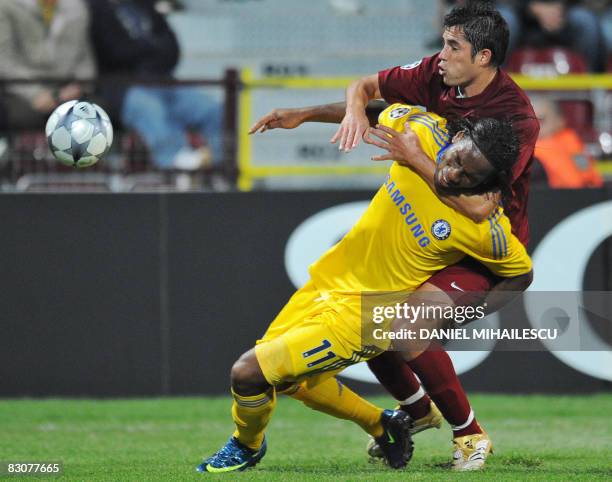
<point>565,82</point>
<point>250,172</point>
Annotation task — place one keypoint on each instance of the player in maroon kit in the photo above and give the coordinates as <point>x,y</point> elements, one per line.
<point>462,80</point>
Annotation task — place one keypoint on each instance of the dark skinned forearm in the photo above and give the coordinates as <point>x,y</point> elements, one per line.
<point>334,113</point>
<point>506,290</point>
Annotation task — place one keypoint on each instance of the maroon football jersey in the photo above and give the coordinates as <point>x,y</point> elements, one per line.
<point>421,84</point>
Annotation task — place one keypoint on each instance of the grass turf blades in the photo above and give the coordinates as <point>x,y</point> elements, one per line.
<point>535,438</point>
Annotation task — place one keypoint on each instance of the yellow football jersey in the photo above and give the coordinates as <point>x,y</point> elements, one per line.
<point>407,234</point>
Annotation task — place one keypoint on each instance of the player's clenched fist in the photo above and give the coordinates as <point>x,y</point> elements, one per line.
<point>278,118</point>
<point>351,130</point>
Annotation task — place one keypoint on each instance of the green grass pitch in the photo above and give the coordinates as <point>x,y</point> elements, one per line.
<point>535,438</point>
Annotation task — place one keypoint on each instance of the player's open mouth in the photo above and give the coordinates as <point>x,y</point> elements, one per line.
<point>442,179</point>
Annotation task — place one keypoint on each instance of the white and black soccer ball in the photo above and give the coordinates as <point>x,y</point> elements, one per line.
<point>79,133</point>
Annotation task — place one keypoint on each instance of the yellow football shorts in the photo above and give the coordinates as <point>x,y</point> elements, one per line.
<point>309,340</point>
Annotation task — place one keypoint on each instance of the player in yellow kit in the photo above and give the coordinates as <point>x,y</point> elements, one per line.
<point>407,233</point>
<point>405,236</point>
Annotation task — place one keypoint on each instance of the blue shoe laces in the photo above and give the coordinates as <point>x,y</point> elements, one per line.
<point>232,452</point>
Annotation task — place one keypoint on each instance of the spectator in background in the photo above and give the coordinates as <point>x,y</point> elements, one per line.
<point>603,10</point>
<point>131,38</point>
<point>560,151</point>
<point>563,23</point>
<point>42,38</point>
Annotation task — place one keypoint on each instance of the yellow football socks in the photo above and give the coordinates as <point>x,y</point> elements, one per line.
<point>333,398</point>
<point>251,416</point>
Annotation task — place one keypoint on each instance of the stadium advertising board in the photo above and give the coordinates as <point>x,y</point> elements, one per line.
<point>159,293</point>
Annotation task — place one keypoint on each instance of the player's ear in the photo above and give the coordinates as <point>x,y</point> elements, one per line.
<point>484,57</point>
<point>458,136</point>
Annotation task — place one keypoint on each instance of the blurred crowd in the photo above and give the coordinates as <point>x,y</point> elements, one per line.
<point>132,39</point>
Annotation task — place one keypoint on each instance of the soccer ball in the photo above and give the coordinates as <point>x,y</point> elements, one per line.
<point>79,133</point>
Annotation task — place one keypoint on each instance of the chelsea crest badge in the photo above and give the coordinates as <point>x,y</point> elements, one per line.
<point>399,112</point>
<point>441,229</point>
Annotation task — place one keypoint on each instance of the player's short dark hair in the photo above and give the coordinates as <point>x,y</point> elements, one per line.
<point>497,141</point>
<point>483,27</point>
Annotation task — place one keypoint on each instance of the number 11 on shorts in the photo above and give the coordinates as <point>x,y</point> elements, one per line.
<point>325,344</point>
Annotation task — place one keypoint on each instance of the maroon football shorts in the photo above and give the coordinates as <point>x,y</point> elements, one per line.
<point>466,282</point>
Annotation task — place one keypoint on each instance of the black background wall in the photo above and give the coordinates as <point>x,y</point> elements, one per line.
<point>148,294</point>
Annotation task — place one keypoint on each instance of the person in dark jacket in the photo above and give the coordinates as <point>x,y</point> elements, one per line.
<point>133,40</point>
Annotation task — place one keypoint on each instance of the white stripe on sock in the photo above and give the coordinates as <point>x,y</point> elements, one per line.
<point>252,403</point>
<point>469,421</point>
<point>413,398</point>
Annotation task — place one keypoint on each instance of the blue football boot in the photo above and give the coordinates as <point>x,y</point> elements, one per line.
<point>396,441</point>
<point>233,457</point>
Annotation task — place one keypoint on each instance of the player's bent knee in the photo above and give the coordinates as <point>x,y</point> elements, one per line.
<point>247,377</point>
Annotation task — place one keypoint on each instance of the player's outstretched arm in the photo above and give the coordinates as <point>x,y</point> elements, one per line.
<point>405,148</point>
<point>327,113</point>
<point>294,117</point>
